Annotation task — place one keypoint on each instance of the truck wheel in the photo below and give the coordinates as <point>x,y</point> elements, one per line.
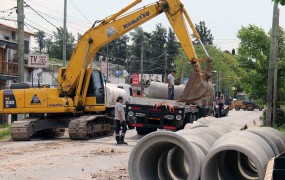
<point>150,130</point>
<point>131,127</point>
<point>140,131</point>
<point>188,119</point>
<point>237,108</point>
<point>250,107</point>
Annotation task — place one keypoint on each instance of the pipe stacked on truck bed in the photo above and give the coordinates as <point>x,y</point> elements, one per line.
<point>207,151</point>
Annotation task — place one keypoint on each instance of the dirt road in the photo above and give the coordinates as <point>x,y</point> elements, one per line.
<point>65,159</point>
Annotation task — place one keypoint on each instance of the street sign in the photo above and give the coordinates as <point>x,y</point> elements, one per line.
<point>38,60</point>
<point>135,79</point>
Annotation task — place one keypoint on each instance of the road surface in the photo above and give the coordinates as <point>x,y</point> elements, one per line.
<point>63,158</point>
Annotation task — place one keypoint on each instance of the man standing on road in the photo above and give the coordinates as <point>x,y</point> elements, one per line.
<point>171,80</point>
<point>120,121</point>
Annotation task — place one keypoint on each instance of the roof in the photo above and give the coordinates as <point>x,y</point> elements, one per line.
<point>15,29</point>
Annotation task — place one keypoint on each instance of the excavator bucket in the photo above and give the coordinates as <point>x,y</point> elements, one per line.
<point>197,88</point>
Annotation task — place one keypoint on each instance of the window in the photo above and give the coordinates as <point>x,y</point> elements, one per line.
<point>13,35</point>
<point>6,38</point>
<point>26,47</point>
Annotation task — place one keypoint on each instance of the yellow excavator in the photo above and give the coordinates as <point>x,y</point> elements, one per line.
<point>79,102</point>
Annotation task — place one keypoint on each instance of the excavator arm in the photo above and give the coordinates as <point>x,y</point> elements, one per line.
<point>118,24</point>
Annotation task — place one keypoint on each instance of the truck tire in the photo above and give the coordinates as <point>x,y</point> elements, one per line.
<point>141,131</point>
<point>237,108</point>
<point>250,107</point>
<point>131,127</point>
<point>145,131</point>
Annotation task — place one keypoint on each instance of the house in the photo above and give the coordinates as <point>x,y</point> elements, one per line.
<point>8,53</point>
<point>9,59</point>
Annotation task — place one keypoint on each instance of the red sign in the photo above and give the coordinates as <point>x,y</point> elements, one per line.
<point>135,79</point>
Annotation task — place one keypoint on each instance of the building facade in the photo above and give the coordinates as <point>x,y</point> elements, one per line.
<point>8,53</point>
<point>9,57</point>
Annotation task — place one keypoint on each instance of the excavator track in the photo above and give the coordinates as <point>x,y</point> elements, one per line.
<point>87,127</point>
<point>28,128</point>
<point>23,130</point>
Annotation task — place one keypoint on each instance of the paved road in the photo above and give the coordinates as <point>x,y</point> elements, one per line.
<point>65,159</point>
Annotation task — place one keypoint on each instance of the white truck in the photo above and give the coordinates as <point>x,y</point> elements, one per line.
<point>113,91</point>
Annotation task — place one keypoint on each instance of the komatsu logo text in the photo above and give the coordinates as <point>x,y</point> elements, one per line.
<point>138,19</point>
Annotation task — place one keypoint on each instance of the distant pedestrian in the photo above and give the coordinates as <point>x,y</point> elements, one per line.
<point>220,103</point>
<point>204,109</point>
<point>120,121</point>
<point>171,80</point>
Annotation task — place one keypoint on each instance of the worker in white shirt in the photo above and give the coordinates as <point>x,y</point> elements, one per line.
<point>171,80</point>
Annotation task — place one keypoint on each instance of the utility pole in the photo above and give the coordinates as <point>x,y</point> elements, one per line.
<point>64,35</point>
<point>219,81</point>
<point>165,65</point>
<point>276,34</point>
<point>273,55</point>
<point>182,69</point>
<point>20,10</point>
<point>142,49</point>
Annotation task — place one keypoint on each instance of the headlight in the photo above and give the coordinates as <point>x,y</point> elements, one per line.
<point>180,111</point>
<point>130,113</point>
<point>130,107</point>
<point>178,117</point>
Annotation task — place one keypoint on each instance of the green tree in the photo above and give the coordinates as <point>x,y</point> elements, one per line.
<point>205,33</point>
<point>254,52</point>
<point>172,46</point>
<point>117,49</point>
<point>224,63</point>
<point>48,44</point>
<point>40,35</point>
<point>282,2</point>
<point>139,38</point>
<point>157,44</point>
<point>55,50</point>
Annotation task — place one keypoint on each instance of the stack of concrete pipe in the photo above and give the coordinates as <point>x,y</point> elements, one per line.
<point>206,151</point>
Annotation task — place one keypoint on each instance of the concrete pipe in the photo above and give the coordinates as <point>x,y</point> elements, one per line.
<point>272,136</point>
<point>177,164</point>
<point>215,131</point>
<point>194,125</point>
<point>237,155</point>
<point>150,157</point>
<point>159,90</point>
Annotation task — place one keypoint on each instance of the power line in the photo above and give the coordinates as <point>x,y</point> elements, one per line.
<point>69,17</point>
<point>4,11</point>
<point>61,22</point>
<point>40,15</point>
<point>39,26</point>
<point>79,11</point>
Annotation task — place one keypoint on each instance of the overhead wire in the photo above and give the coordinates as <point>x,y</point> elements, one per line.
<point>69,17</point>
<point>79,11</point>
<point>40,15</point>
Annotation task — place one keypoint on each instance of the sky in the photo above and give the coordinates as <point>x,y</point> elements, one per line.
<point>223,17</point>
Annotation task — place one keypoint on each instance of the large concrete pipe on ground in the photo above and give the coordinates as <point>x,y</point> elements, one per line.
<point>158,90</point>
<point>168,155</point>
<point>149,158</point>
<point>272,136</point>
<point>237,155</point>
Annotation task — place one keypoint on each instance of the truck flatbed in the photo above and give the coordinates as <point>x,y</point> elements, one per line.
<point>148,115</point>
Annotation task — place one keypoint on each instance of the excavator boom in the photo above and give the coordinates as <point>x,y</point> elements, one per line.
<point>116,25</point>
